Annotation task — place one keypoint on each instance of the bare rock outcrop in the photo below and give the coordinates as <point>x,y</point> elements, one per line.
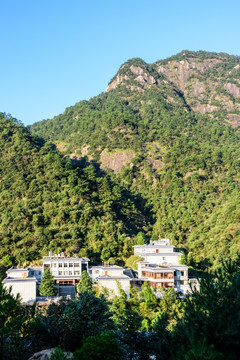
<point>233,89</point>
<point>116,160</point>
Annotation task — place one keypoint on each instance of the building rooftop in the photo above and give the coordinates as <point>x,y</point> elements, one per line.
<point>16,269</point>
<point>169,267</point>
<point>154,246</point>
<point>106,267</point>
<point>28,279</point>
<point>107,277</point>
<point>175,253</point>
<point>65,258</point>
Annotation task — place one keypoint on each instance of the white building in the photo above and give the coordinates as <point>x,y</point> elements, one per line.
<point>23,282</point>
<point>110,277</point>
<point>159,252</point>
<point>65,270</point>
<point>160,277</point>
<point>161,266</point>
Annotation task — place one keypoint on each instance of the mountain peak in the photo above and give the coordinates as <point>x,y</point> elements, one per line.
<point>136,74</point>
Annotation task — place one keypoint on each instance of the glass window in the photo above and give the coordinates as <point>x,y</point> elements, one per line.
<point>54,265</point>
<point>59,264</point>
<point>76,272</point>
<point>76,264</point>
<point>70,272</point>
<point>65,272</point>
<point>60,272</point>
<point>70,264</point>
<point>65,265</point>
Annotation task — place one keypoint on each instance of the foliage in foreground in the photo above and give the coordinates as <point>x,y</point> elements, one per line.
<point>204,325</point>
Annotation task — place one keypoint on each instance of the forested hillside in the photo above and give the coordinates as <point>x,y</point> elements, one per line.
<point>46,204</point>
<point>168,134</point>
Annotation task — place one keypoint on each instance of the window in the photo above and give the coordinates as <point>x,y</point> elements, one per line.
<point>70,272</point>
<point>54,265</point>
<point>65,272</point>
<point>60,273</point>
<point>70,264</point>
<point>39,273</point>
<point>65,265</point>
<point>31,272</point>
<point>164,258</point>
<point>76,264</point>
<point>60,265</point>
<point>76,272</point>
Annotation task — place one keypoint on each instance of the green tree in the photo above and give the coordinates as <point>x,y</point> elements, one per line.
<point>213,315</point>
<point>12,318</point>
<point>68,321</point>
<point>103,346</point>
<point>47,286</point>
<point>85,283</point>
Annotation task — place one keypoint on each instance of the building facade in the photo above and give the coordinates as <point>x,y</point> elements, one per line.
<point>161,266</point>
<point>65,270</point>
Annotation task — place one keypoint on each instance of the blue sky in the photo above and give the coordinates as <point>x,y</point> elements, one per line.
<point>55,53</point>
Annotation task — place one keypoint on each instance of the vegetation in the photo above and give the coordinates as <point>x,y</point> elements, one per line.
<point>48,205</point>
<point>85,283</point>
<point>184,172</point>
<point>47,286</point>
<point>205,325</point>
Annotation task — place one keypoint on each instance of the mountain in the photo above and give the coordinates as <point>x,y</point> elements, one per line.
<point>168,133</point>
<point>46,203</point>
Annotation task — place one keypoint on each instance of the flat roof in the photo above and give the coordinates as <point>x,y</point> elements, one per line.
<point>16,269</point>
<point>19,279</point>
<point>53,258</point>
<point>170,267</point>
<point>153,246</point>
<point>163,254</point>
<point>110,267</point>
<point>66,277</point>
<point>107,277</point>
<point>158,269</point>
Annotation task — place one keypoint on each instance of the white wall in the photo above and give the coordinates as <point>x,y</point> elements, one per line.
<point>17,273</point>
<point>112,285</point>
<point>26,289</point>
<point>162,259</point>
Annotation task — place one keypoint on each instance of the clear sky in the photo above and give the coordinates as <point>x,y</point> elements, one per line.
<point>55,53</point>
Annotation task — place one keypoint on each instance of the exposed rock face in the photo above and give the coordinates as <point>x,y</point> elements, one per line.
<point>202,82</point>
<point>119,80</point>
<point>46,355</point>
<point>156,164</point>
<point>116,160</point>
<point>233,89</point>
<point>203,109</point>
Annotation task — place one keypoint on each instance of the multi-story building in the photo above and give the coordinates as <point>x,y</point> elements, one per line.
<point>161,266</point>
<point>65,270</point>
<point>160,277</point>
<point>159,252</point>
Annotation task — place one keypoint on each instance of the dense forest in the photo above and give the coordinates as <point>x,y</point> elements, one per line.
<point>47,204</point>
<point>168,134</point>
<point>157,154</point>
